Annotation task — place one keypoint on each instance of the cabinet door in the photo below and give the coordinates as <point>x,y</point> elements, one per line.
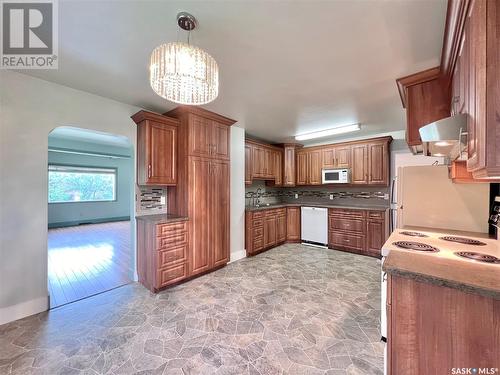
<point>343,156</point>
<point>220,140</point>
<point>375,236</point>
<point>378,164</point>
<point>199,211</point>
<point>268,163</point>
<point>219,215</point>
<point>258,163</point>
<point>328,157</point>
<point>281,228</point>
<point>293,223</point>
<point>289,166</point>
<point>314,175</point>
<point>248,165</point>
<point>302,168</point>
<point>200,135</point>
<point>162,166</point>
<point>359,164</point>
<point>278,170</point>
<point>269,230</point>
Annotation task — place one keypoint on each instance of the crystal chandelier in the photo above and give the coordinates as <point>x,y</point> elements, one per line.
<point>183,73</point>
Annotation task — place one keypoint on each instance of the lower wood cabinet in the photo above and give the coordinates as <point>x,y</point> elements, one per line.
<point>432,329</point>
<point>265,229</point>
<point>359,231</point>
<point>162,250</point>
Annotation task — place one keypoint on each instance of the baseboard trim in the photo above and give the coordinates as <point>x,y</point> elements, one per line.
<point>63,224</point>
<point>21,310</point>
<point>237,255</point>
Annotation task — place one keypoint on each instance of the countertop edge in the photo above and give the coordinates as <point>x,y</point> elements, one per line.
<point>321,205</point>
<point>466,288</point>
<point>162,218</point>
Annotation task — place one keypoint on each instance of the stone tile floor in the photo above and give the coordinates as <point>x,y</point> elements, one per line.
<point>290,310</point>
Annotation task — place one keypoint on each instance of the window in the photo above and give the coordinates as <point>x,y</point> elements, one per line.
<point>81,184</point>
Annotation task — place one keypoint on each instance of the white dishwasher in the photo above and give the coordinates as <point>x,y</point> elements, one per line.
<point>314,225</point>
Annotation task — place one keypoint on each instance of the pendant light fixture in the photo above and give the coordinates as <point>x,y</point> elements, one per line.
<point>182,73</point>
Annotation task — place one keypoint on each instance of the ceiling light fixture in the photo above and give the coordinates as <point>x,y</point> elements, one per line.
<point>328,132</point>
<point>183,73</point>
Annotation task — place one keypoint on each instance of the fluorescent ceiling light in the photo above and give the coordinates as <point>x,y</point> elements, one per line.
<point>327,132</point>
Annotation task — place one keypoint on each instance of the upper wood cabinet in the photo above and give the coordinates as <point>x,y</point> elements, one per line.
<point>309,167</point>
<point>289,162</point>
<point>248,164</point>
<point>263,162</point>
<point>426,99</point>
<point>370,162</point>
<point>209,138</point>
<point>156,149</point>
<point>336,156</point>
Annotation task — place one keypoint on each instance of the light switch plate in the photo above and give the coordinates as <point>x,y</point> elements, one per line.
<point>331,196</point>
<point>296,196</point>
<point>162,200</point>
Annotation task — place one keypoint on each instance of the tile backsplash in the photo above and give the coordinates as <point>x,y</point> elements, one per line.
<point>149,200</point>
<point>352,196</point>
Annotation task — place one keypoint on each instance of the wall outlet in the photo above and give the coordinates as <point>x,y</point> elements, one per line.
<point>331,196</point>
<point>386,196</point>
<point>296,196</point>
<point>162,200</point>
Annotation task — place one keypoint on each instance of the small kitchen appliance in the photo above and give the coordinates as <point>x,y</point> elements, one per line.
<point>336,176</point>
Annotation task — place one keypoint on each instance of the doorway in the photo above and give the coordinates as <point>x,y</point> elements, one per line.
<point>90,190</point>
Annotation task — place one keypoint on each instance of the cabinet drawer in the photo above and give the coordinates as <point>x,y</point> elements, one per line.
<point>281,211</point>
<point>170,229</point>
<point>346,213</point>
<point>174,255</point>
<point>257,222</point>
<point>174,240</point>
<point>258,231</point>
<point>258,215</point>
<point>343,224</point>
<point>258,243</point>
<point>376,215</point>
<point>171,275</point>
<point>344,240</point>
<point>269,213</point>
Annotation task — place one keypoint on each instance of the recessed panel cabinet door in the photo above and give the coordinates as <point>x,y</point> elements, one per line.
<point>200,134</point>
<point>293,223</point>
<point>343,157</point>
<point>220,140</point>
<point>359,164</point>
<point>219,217</point>
<point>258,162</point>
<point>375,236</point>
<point>248,165</point>
<point>281,228</point>
<point>328,157</point>
<point>377,163</point>
<point>302,168</point>
<point>270,230</point>
<point>162,167</point>
<point>314,168</point>
<point>200,203</point>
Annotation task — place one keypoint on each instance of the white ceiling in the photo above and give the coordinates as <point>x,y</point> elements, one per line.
<point>286,67</point>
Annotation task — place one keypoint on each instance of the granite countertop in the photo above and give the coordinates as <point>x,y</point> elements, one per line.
<point>323,205</point>
<point>445,268</point>
<point>162,218</point>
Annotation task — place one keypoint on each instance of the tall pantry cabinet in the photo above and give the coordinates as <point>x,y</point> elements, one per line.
<point>202,190</point>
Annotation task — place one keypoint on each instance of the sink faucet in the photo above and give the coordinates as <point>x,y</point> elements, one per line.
<point>257,201</point>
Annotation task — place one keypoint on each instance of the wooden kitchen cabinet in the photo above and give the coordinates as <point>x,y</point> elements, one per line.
<point>447,327</point>
<point>359,231</point>
<point>293,233</point>
<point>202,191</point>
<point>248,164</point>
<point>289,164</point>
<point>162,250</point>
<point>336,156</point>
<point>265,229</point>
<point>309,165</point>
<point>359,164</point>
<point>370,163</point>
<point>156,149</point>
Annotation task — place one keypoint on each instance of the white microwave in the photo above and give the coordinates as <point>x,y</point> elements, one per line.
<point>336,176</point>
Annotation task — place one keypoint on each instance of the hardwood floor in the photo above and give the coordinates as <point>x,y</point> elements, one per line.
<point>88,259</point>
